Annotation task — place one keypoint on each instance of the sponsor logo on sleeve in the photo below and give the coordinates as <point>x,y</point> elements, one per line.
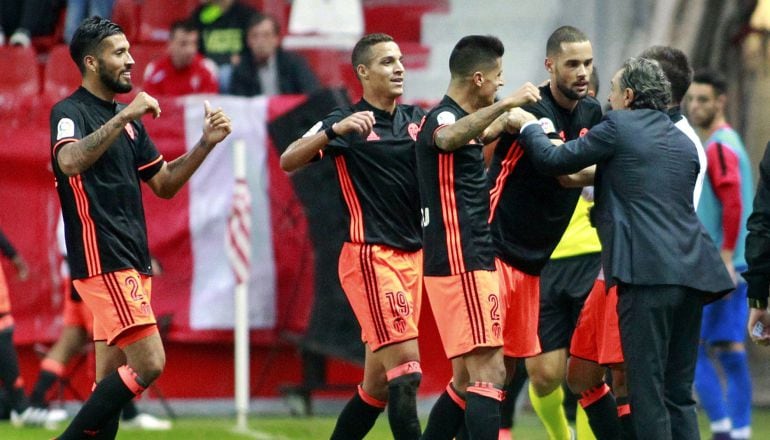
<point>446,118</point>
<point>65,129</point>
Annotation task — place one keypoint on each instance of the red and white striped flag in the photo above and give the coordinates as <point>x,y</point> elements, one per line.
<point>239,230</point>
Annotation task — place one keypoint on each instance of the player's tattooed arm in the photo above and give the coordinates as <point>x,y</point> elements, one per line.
<point>76,157</point>
<point>494,130</point>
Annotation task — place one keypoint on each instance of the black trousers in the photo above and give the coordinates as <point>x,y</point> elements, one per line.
<point>659,332</point>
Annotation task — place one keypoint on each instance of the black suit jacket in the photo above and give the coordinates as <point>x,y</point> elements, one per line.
<point>294,75</point>
<point>645,175</point>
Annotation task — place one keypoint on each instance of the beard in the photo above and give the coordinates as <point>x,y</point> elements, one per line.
<point>113,84</point>
<point>569,93</point>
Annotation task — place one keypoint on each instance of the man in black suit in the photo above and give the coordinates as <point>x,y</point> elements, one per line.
<point>267,69</point>
<point>653,246</point>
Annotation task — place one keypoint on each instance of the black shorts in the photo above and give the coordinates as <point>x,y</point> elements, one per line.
<point>564,286</point>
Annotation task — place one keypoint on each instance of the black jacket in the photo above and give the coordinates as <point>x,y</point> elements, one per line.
<point>294,75</point>
<point>758,239</point>
<point>645,175</point>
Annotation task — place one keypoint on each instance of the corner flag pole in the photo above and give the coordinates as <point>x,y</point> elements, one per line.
<point>238,241</point>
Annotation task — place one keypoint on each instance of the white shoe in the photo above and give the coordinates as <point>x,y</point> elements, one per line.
<point>147,422</point>
<point>54,417</point>
<point>31,416</point>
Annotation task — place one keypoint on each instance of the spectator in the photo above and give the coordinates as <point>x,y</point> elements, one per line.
<point>78,10</point>
<point>183,71</point>
<point>267,69</point>
<point>27,19</point>
<point>222,25</point>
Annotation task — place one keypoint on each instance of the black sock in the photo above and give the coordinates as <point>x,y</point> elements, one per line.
<point>482,416</point>
<point>105,403</point>
<point>356,419</point>
<point>45,380</point>
<point>110,429</point>
<point>9,371</point>
<point>626,423</point>
<point>445,418</point>
<point>402,407</point>
<point>129,410</point>
<point>512,391</point>
<point>602,413</point>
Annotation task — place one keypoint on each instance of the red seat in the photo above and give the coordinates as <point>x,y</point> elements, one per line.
<point>19,79</point>
<point>126,14</point>
<point>143,53</point>
<point>156,18</point>
<point>60,76</point>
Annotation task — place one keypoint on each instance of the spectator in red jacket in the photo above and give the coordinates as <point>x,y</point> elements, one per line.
<point>183,71</point>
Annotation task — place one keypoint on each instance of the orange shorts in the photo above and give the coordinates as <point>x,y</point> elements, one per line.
<point>384,288</point>
<point>120,303</point>
<point>520,293</point>
<point>597,335</point>
<point>467,309</point>
<point>76,313</point>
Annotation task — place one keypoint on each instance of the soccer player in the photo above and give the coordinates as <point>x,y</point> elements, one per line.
<point>460,277</point>
<point>724,208</point>
<point>529,213</point>
<point>100,152</point>
<point>596,341</point>
<point>372,144</point>
<point>76,333</point>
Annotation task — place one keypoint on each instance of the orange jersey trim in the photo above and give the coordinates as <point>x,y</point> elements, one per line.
<point>372,293</point>
<point>62,142</point>
<point>121,305</point>
<point>475,313</point>
<point>449,211</point>
<point>93,263</point>
<point>160,158</point>
<point>351,199</point>
<point>507,165</point>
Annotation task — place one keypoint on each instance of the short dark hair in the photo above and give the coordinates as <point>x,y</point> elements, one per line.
<point>593,81</point>
<point>713,78</point>
<point>183,25</point>
<point>88,36</point>
<point>564,34</point>
<point>258,17</point>
<point>676,67</point>
<point>474,53</point>
<point>650,85</point>
<point>362,52</point>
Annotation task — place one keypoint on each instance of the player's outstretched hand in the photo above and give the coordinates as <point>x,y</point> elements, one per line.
<point>759,326</point>
<point>516,118</point>
<point>359,122</point>
<point>216,125</point>
<point>143,104</point>
<point>528,93</point>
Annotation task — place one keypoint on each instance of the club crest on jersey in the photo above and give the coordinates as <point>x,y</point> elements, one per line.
<point>446,118</point>
<point>583,132</point>
<point>65,128</point>
<point>130,131</point>
<point>413,129</point>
